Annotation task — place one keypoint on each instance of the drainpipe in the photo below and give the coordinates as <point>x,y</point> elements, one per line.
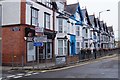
<point>53,40</point>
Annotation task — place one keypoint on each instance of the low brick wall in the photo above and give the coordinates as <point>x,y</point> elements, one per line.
<point>72,59</point>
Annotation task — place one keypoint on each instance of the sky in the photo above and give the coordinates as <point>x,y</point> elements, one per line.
<point>96,6</point>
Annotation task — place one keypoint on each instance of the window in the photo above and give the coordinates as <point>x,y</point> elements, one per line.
<point>34,17</point>
<point>86,45</point>
<point>65,26</point>
<point>65,46</point>
<point>90,34</point>
<point>77,16</point>
<point>60,25</point>
<point>47,20</point>
<point>78,47</point>
<point>78,31</point>
<point>47,3</point>
<point>49,50</point>
<point>62,47</point>
<point>86,33</point>
<point>31,47</point>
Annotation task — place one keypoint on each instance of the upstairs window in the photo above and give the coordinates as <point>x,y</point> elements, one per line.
<point>86,45</point>
<point>60,25</point>
<point>86,33</point>
<point>47,20</point>
<point>77,31</point>
<point>34,16</point>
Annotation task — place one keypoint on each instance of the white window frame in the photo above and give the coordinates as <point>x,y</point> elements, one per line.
<point>65,26</point>
<point>77,31</point>
<point>60,25</point>
<point>78,47</point>
<point>47,20</point>
<point>34,17</point>
<point>63,47</point>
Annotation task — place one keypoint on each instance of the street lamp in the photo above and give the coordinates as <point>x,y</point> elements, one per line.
<point>103,11</point>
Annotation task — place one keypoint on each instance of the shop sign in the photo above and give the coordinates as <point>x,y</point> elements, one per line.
<point>40,39</point>
<point>39,29</point>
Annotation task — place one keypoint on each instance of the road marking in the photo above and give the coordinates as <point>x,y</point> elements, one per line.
<point>43,71</point>
<point>35,73</point>
<point>30,72</point>
<point>97,60</point>
<point>10,76</point>
<point>1,78</point>
<point>27,74</point>
<point>20,74</point>
<point>17,76</point>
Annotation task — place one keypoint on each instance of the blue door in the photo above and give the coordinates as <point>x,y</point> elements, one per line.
<point>73,44</point>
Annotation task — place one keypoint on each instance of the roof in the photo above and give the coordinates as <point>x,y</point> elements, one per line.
<point>110,28</point>
<point>92,19</point>
<point>85,15</point>
<point>71,8</point>
<point>101,24</point>
<point>83,12</point>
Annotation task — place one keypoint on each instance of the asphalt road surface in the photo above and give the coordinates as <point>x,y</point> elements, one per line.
<point>103,68</point>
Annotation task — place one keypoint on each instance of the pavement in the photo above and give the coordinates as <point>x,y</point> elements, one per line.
<point>51,65</point>
<point>18,72</point>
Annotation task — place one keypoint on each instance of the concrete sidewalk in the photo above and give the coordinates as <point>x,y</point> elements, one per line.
<point>51,65</point>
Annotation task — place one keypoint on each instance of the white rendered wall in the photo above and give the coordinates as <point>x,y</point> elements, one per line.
<point>11,12</point>
<point>41,11</point>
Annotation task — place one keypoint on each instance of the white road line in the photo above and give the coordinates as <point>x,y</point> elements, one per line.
<point>35,73</point>
<point>27,74</point>
<point>30,72</point>
<point>10,76</point>
<point>17,76</point>
<point>21,74</point>
<point>1,78</point>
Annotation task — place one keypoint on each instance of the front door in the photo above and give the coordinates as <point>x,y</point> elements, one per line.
<point>49,50</point>
<point>30,52</point>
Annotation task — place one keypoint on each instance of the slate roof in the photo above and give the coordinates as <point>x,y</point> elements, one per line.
<point>83,12</point>
<point>101,24</point>
<point>85,15</point>
<point>92,19</point>
<point>71,8</point>
<point>110,28</point>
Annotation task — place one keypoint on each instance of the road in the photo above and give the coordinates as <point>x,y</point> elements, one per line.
<point>104,68</point>
<point>99,68</point>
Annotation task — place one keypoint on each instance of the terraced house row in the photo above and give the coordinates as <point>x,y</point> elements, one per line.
<point>70,31</point>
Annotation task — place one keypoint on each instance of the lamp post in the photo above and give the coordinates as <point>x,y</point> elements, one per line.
<point>99,19</point>
<point>103,11</point>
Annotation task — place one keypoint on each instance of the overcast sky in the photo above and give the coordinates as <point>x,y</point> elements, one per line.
<point>95,6</point>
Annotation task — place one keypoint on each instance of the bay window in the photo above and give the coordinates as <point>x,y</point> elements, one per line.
<point>62,47</point>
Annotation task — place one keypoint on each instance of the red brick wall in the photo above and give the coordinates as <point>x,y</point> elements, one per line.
<point>13,43</point>
<point>72,59</point>
<point>23,12</point>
